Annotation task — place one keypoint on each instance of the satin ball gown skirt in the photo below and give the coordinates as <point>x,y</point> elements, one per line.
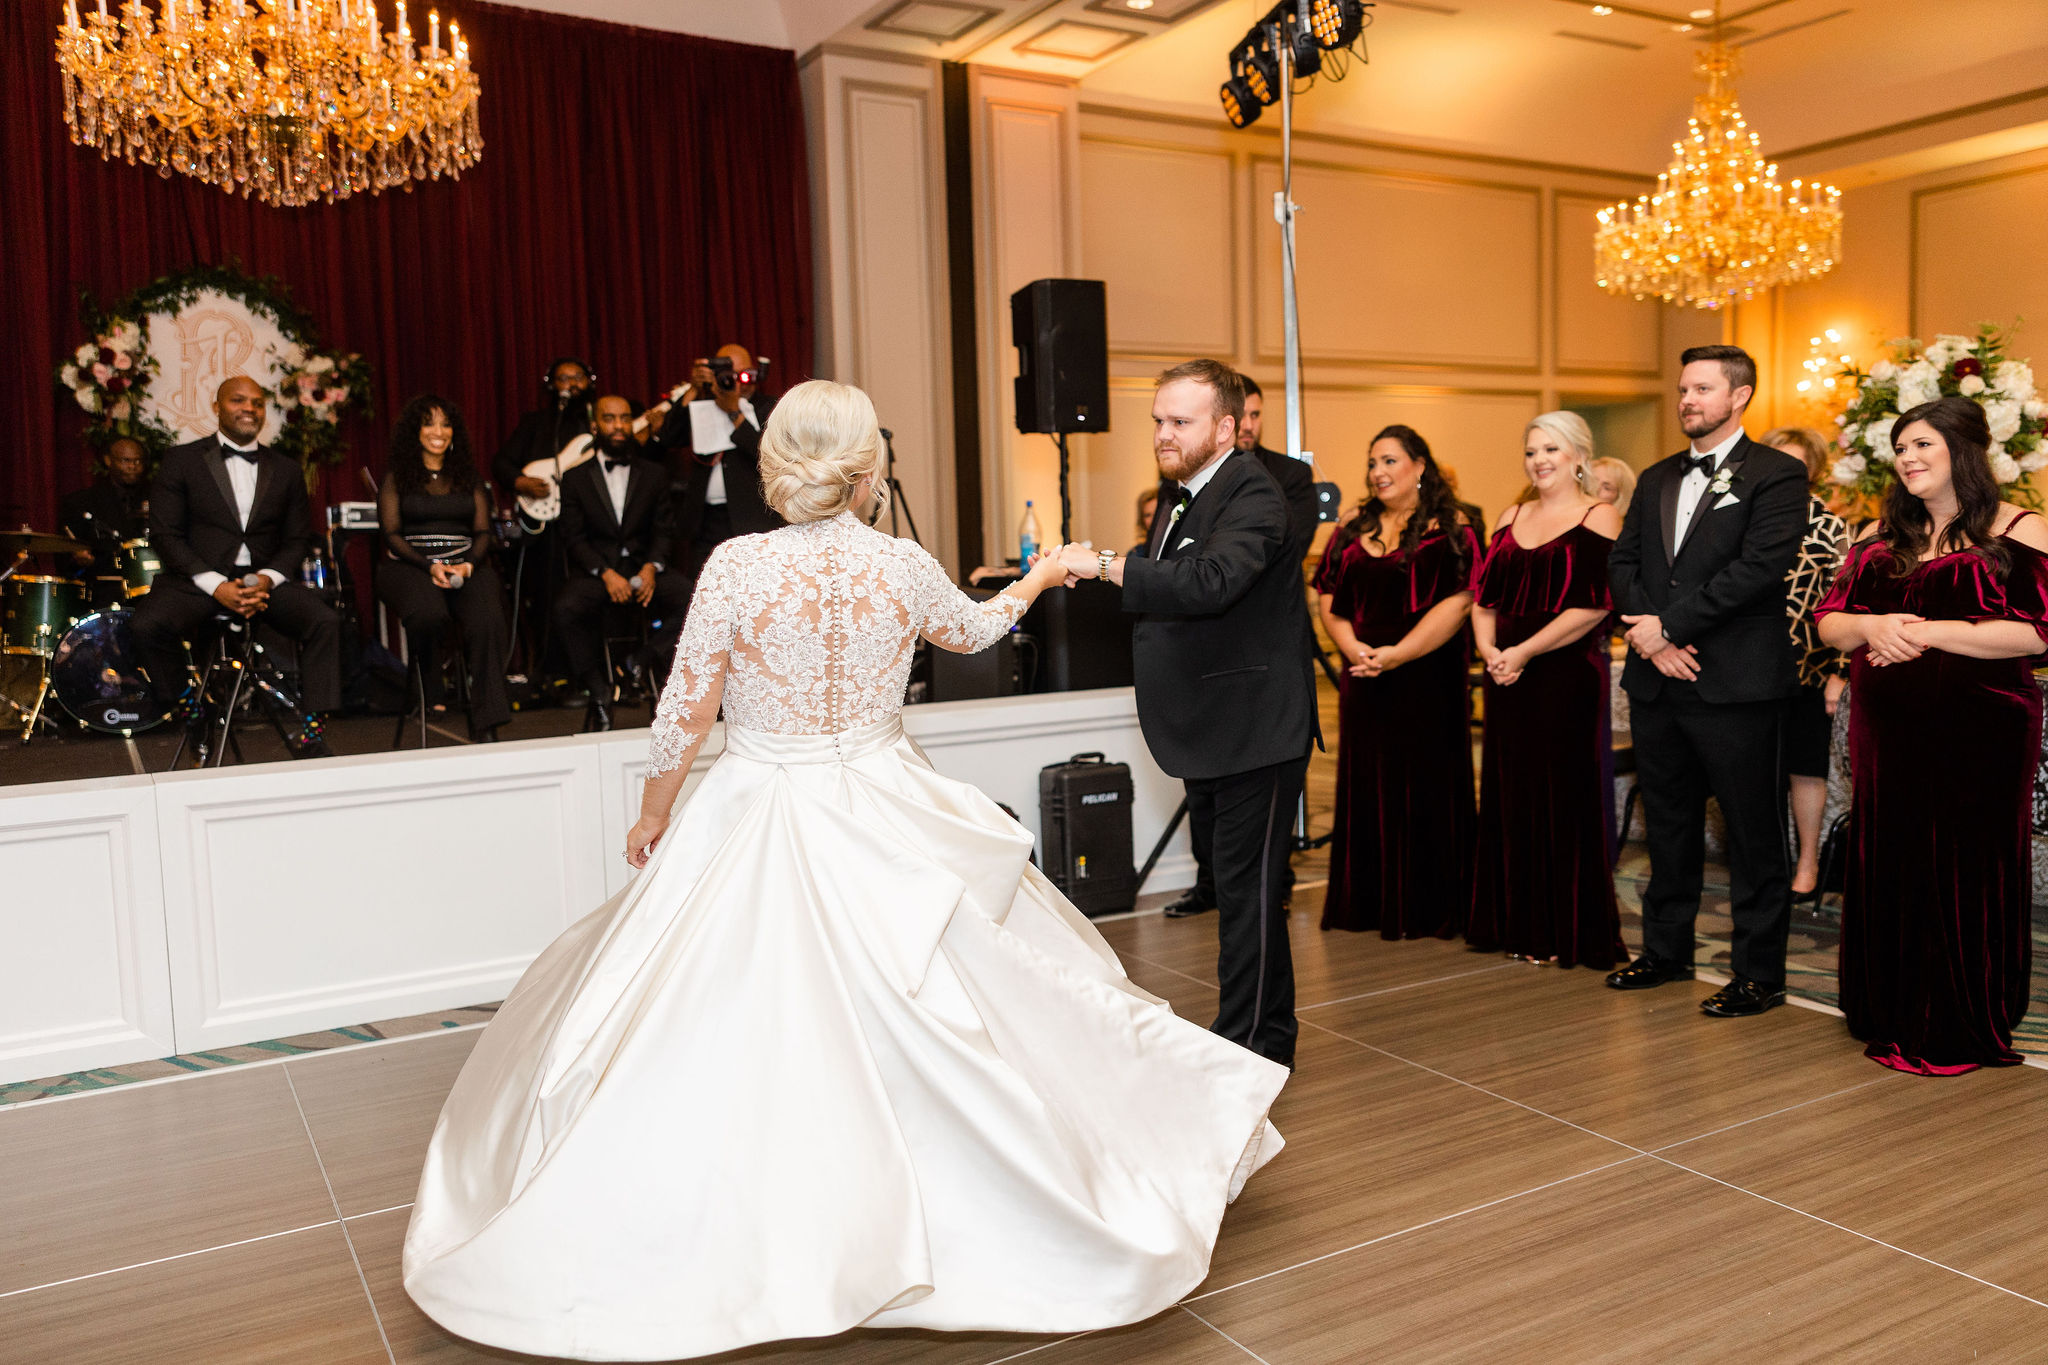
<point>837,1057</point>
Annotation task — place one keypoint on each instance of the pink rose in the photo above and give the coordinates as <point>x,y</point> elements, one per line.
<point>101,373</point>
<point>337,396</point>
<point>123,361</point>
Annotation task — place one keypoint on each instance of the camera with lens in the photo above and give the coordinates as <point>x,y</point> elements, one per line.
<point>727,377</point>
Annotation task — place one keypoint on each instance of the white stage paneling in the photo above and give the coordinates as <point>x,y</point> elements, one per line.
<point>143,916</point>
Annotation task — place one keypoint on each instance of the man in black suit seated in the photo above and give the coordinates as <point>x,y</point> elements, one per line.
<point>714,447</point>
<point>618,534</point>
<point>224,510</point>
<point>113,509</point>
<point>1224,694</point>
<point>1298,486</point>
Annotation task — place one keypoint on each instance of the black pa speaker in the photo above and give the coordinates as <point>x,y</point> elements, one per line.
<point>1061,333</point>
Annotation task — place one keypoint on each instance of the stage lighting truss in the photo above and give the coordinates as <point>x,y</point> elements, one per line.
<point>1240,105</point>
<point>1308,29</point>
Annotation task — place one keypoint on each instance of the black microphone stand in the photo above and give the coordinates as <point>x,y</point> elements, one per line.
<point>895,487</point>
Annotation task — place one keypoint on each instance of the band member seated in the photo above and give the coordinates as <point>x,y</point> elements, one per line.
<point>618,530</point>
<point>715,447</point>
<point>113,509</point>
<point>563,415</point>
<point>224,509</point>
<point>436,567</point>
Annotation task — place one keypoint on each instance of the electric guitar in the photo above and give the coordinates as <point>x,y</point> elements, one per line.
<point>537,512</point>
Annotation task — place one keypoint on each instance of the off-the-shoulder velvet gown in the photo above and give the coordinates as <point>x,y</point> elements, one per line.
<point>1542,885</point>
<point>1937,948</point>
<point>1401,855</point>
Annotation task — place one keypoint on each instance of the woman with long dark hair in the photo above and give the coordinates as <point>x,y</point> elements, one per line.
<point>1395,587</point>
<point>1942,608</point>
<point>1543,888</point>
<point>436,568</point>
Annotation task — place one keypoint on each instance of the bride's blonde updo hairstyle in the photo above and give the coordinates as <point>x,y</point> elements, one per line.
<point>821,440</point>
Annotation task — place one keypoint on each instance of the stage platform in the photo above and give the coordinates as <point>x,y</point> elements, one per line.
<point>176,912</point>
<point>1486,1162</point>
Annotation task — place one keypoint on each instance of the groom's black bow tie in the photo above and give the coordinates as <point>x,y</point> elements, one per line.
<point>612,466</point>
<point>1703,463</point>
<point>230,452</point>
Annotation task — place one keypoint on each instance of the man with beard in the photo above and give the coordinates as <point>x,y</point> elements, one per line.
<point>714,444</point>
<point>1224,694</point>
<point>115,508</point>
<point>563,415</point>
<point>1699,578</point>
<point>617,530</point>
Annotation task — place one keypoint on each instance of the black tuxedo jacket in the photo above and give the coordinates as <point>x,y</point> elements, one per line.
<point>1219,652</point>
<point>595,538</point>
<point>1298,485</point>
<point>1723,590</point>
<point>194,526</point>
<point>750,513</point>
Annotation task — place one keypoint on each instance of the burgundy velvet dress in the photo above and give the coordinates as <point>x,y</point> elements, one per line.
<point>1937,948</point>
<point>1542,887</point>
<point>1401,858</point>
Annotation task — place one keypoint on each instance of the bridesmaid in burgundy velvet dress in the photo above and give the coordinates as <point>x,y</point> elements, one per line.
<point>1542,889</point>
<point>1943,610</point>
<point>1395,587</point>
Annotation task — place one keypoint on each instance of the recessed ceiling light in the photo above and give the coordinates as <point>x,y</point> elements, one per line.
<point>1701,14</point>
<point>1137,4</point>
<point>1681,28</point>
<point>1603,9</point>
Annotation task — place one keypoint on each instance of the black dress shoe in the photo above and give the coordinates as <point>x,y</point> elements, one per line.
<point>598,718</point>
<point>1187,905</point>
<point>1647,971</point>
<point>486,735</point>
<point>1742,997</point>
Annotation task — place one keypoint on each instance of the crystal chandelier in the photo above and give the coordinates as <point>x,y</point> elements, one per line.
<point>1719,228</point>
<point>288,101</point>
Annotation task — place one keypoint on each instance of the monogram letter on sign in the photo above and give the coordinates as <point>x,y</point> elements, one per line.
<point>212,338</point>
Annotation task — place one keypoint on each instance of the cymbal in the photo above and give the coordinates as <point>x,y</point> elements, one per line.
<point>27,542</point>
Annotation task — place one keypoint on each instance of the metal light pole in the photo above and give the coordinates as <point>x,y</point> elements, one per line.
<point>1284,209</point>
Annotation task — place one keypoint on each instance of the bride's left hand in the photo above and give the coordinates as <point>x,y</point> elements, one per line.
<point>641,839</point>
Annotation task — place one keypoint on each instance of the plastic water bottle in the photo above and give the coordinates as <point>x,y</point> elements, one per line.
<point>1027,535</point>
<point>313,570</point>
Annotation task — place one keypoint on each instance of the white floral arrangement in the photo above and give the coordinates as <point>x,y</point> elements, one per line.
<point>103,374</point>
<point>1974,367</point>
<point>313,394</point>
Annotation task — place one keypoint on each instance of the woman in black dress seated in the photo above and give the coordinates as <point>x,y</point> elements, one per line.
<point>1942,608</point>
<point>437,539</point>
<point>1395,588</point>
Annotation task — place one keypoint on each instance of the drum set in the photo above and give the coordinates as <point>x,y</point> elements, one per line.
<point>72,640</point>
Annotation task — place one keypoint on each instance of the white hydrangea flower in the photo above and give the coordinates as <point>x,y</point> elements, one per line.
<point>1918,383</point>
<point>69,376</point>
<point>2014,379</point>
<point>2037,460</point>
<point>320,364</point>
<point>1878,435</point>
<point>2004,416</point>
<point>1970,385</point>
<point>88,397</point>
<point>1850,431</point>
<point>1884,372</point>
<point>87,354</point>
<point>2005,468</point>
<point>1848,469</point>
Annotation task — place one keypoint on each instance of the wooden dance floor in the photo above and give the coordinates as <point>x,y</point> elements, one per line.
<point>1486,1162</point>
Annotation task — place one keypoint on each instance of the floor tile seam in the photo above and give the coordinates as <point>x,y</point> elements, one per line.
<point>1417,1227</point>
<point>1406,986</point>
<point>1759,1118</point>
<point>165,1260</point>
<point>334,1199</point>
<point>1225,1335</point>
<point>373,1213</point>
<point>1867,1237</point>
<point>1480,1089</point>
<point>238,1068</point>
<point>1034,1350</point>
<point>1205,985</point>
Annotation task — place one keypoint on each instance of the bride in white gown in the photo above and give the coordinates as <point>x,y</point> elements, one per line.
<point>838,1056</point>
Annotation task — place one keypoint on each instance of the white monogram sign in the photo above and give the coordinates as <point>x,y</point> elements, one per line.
<point>211,339</point>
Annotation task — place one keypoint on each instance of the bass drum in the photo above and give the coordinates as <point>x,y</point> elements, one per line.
<point>97,678</point>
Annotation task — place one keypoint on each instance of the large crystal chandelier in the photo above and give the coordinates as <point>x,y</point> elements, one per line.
<point>288,101</point>
<point>1719,228</point>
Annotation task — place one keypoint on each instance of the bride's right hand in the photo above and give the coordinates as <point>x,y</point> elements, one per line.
<point>641,839</point>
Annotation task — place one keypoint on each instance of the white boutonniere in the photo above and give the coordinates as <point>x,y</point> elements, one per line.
<point>1723,480</point>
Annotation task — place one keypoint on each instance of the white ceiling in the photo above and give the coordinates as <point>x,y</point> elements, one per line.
<point>1502,77</point>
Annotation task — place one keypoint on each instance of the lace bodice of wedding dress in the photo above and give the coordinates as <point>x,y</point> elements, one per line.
<point>808,630</point>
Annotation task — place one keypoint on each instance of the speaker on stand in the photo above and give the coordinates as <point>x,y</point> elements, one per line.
<point>1061,332</point>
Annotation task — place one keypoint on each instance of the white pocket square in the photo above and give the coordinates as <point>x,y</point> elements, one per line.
<point>1727,500</point>
<point>1185,541</point>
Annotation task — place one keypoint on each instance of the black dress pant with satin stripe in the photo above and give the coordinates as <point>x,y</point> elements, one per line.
<point>175,611</point>
<point>1688,750</point>
<point>1249,817</point>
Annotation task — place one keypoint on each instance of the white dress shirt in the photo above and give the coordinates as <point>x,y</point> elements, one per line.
<point>1694,485</point>
<point>1193,487</point>
<point>242,478</point>
<point>711,429</point>
<point>616,479</point>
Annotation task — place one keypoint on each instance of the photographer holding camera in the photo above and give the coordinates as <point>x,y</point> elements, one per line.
<point>714,445</point>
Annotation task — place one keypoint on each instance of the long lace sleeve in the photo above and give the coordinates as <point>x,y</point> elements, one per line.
<point>952,620</point>
<point>696,684</point>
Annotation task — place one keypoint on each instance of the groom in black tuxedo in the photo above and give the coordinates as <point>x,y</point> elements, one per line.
<point>1699,577</point>
<point>1225,697</point>
<point>225,510</point>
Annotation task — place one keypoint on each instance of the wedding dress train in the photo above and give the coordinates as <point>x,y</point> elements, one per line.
<point>838,1056</point>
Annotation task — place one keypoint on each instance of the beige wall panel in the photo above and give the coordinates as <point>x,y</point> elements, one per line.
<point>1596,330</point>
<point>1977,253</point>
<point>1479,435</point>
<point>1403,270</point>
<point>1156,230</point>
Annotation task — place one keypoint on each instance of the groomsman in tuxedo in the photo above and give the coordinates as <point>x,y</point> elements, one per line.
<point>1225,698</point>
<point>618,530</point>
<point>224,510</point>
<point>1699,577</point>
<point>1298,486</point>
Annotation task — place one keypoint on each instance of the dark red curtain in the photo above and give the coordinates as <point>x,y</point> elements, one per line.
<point>642,198</point>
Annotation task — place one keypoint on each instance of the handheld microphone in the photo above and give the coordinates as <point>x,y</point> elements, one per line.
<point>634,582</point>
<point>887,434</point>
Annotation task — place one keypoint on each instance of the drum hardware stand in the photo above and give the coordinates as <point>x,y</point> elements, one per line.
<point>1180,813</point>
<point>895,487</point>
<point>250,665</point>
